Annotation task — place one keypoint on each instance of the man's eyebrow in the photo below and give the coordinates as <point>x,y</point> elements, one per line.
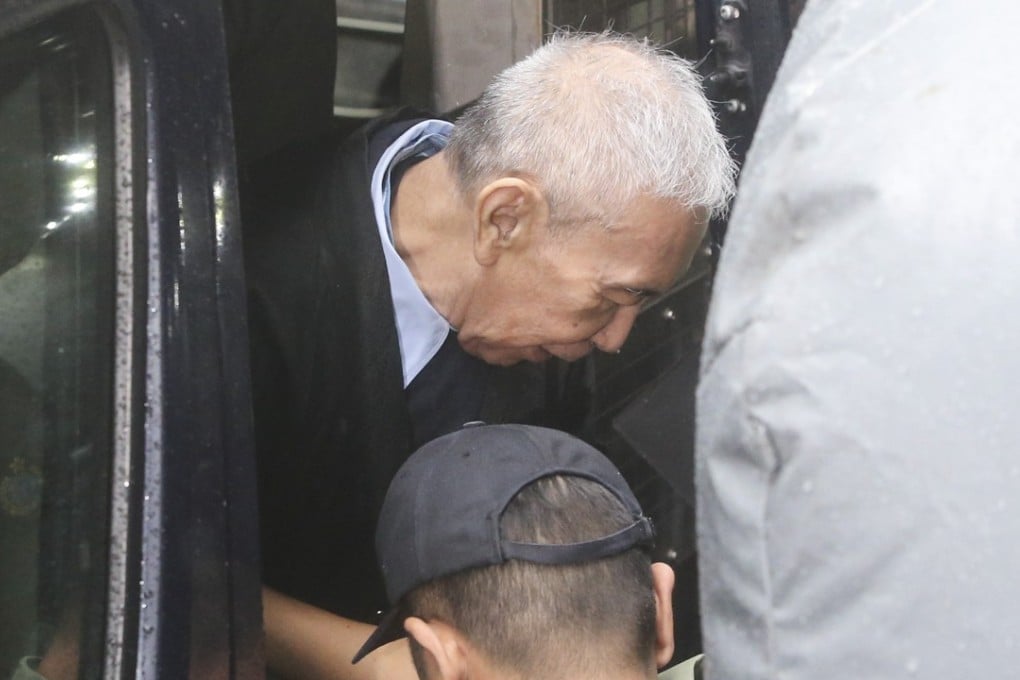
<point>642,289</point>
<point>640,292</point>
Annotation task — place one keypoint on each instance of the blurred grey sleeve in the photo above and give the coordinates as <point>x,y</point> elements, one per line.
<point>858,450</point>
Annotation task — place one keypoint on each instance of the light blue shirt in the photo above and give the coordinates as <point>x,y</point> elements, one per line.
<point>421,330</point>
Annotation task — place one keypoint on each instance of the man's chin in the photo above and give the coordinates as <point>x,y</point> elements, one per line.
<point>538,355</point>
<point>512,356</point>
<point>532,355</point>
<point>569,353</point>
<point>535,354</point>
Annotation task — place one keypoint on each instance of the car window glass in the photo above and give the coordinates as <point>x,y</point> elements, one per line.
<point>56,351</point>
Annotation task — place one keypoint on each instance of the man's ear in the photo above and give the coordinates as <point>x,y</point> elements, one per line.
<point>507,213</point>
<point>442,645</point>
<point>662,585</point>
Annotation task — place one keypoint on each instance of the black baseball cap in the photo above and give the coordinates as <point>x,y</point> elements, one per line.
<point>442,512</point>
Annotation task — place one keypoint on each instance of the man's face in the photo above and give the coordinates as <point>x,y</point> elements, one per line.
<point>565,295</point>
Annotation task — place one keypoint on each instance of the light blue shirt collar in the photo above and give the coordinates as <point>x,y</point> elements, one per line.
<point>421,330</point>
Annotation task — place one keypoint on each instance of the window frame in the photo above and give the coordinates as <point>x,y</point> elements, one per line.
<point>182,482</point>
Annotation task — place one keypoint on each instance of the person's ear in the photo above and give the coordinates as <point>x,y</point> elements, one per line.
<point>508,211</point>
<point>442,646</point>
<point>662,585</point>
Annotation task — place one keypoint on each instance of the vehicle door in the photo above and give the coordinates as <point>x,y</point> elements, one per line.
<point>128,545</point>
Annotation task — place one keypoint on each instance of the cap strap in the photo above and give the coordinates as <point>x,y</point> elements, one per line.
<point>638,533</point>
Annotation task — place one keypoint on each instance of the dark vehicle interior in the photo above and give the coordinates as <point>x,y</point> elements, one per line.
<point>126,479</point>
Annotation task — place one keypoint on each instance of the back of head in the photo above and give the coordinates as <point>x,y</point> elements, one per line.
<point>587,619</point>
<point>521,547</point>
<point>596,120</point>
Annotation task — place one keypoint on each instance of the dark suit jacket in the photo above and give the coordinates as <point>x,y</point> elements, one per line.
<point>331,421</point>
<point>331,415</point>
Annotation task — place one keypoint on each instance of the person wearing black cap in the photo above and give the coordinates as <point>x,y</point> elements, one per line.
<point>513,551</point>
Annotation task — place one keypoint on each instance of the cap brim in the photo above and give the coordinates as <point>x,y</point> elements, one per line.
<point>390,628</point>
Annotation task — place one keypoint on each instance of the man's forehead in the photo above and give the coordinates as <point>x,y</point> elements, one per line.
<point>660,216</point>
<point>657,245</point>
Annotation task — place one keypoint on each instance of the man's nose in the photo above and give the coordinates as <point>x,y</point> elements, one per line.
<point>614,334</point>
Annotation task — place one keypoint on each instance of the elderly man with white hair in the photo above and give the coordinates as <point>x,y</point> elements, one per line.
<point>394,274</point>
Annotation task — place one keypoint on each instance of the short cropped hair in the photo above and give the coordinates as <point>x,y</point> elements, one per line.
<point>593,617</point>
<point>597,120</point>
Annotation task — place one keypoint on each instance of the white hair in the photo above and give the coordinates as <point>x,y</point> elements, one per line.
<point>597,120</point>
